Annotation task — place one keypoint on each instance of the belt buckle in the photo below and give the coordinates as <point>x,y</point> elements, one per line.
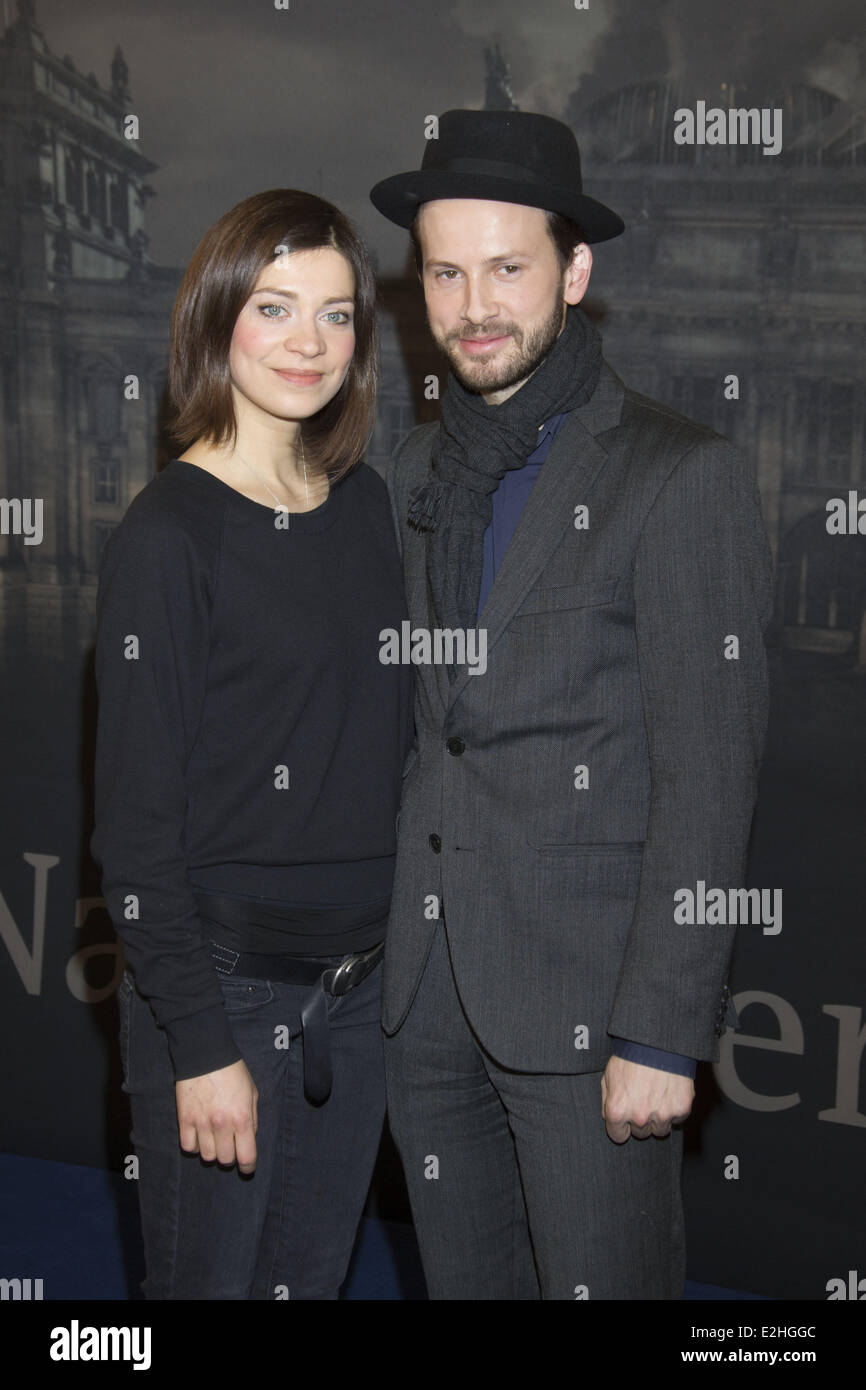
<point>342,981</point>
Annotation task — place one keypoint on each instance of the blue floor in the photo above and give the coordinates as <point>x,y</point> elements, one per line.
<point>76,1229</point>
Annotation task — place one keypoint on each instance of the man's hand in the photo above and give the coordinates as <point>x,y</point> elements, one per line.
<point>217,1116</point>
<point>641,1100</point>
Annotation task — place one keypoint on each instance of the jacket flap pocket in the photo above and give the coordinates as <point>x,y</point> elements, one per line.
<point>585,595</point>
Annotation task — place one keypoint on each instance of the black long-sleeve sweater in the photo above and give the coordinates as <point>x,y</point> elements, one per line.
<point>249,739</point>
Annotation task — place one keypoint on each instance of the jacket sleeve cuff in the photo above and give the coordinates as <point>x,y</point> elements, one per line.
<point>201,1042</point>
<point>654,1057</point>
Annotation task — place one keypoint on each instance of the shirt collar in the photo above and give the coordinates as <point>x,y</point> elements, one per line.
<point>548,428</point>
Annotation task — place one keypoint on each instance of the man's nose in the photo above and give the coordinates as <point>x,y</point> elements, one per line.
<point>480,302</point>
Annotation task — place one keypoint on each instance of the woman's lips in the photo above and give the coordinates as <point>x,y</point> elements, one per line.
<point>299,378</point>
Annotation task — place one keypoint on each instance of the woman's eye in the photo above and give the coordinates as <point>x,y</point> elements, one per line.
<point>338,316</point>
<point>265,309</point>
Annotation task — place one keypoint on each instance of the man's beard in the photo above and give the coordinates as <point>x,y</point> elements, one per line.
<point>532,348</point>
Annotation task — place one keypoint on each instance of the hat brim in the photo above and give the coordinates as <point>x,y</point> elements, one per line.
<point>399,197</point>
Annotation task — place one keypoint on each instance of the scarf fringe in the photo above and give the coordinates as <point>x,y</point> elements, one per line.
<point>426,506</point>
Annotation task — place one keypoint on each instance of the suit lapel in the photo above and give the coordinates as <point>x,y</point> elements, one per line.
<point>422,613</point>
<point>439,672</point>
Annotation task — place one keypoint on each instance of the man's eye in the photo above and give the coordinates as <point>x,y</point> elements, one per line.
<point>511,267</point>
<point>443,273</point>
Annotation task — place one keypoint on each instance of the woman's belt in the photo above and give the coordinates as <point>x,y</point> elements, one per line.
<point>335,975</point>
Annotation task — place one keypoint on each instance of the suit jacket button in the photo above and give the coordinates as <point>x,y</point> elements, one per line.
<point>455,746</point>
<point>435,843</point>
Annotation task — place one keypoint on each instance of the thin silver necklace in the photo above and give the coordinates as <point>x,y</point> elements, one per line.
<point>280,504</point>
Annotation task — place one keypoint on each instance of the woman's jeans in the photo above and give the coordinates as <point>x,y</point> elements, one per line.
<point>287,1229</point>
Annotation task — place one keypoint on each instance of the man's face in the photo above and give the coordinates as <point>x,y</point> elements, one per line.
<point>495,293</point>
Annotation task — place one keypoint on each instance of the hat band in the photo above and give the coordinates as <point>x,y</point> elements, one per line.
<point>491,167</point>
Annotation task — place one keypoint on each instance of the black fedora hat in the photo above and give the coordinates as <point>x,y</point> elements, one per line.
<point>504,156</point>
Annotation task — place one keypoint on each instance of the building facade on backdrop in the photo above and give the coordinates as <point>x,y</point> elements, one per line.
<point>736,296</point>
<point>743,265</point>
<point>84,310</point>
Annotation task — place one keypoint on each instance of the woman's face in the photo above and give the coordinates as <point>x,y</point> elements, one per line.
<point>294,338</point>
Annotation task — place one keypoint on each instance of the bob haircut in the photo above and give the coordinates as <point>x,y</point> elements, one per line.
<point>217,284</point>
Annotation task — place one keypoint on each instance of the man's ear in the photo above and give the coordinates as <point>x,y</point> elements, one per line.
<point>577,273</point>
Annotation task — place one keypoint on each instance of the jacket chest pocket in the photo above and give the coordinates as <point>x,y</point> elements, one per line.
<point>567,596</point>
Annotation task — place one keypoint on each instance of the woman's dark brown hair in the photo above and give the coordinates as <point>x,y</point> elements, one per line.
<point>219,281</point>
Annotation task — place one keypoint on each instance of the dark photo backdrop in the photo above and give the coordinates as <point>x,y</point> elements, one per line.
<point>736,295</point>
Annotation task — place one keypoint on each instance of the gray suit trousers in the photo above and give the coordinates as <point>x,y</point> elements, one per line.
<point>517,1192</point>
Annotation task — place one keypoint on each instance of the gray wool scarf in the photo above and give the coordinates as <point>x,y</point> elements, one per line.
<point>476,446</point>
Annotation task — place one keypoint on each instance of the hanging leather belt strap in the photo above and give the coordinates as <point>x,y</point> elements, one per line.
<point>326,975</point>
<point>337,980</point>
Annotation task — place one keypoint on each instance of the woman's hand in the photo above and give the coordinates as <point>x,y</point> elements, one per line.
<point>217,1116</point>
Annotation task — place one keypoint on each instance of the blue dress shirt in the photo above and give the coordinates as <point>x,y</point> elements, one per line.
<point>509,500</point>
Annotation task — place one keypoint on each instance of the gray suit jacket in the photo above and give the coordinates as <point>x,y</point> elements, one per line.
<point>606,651</point>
